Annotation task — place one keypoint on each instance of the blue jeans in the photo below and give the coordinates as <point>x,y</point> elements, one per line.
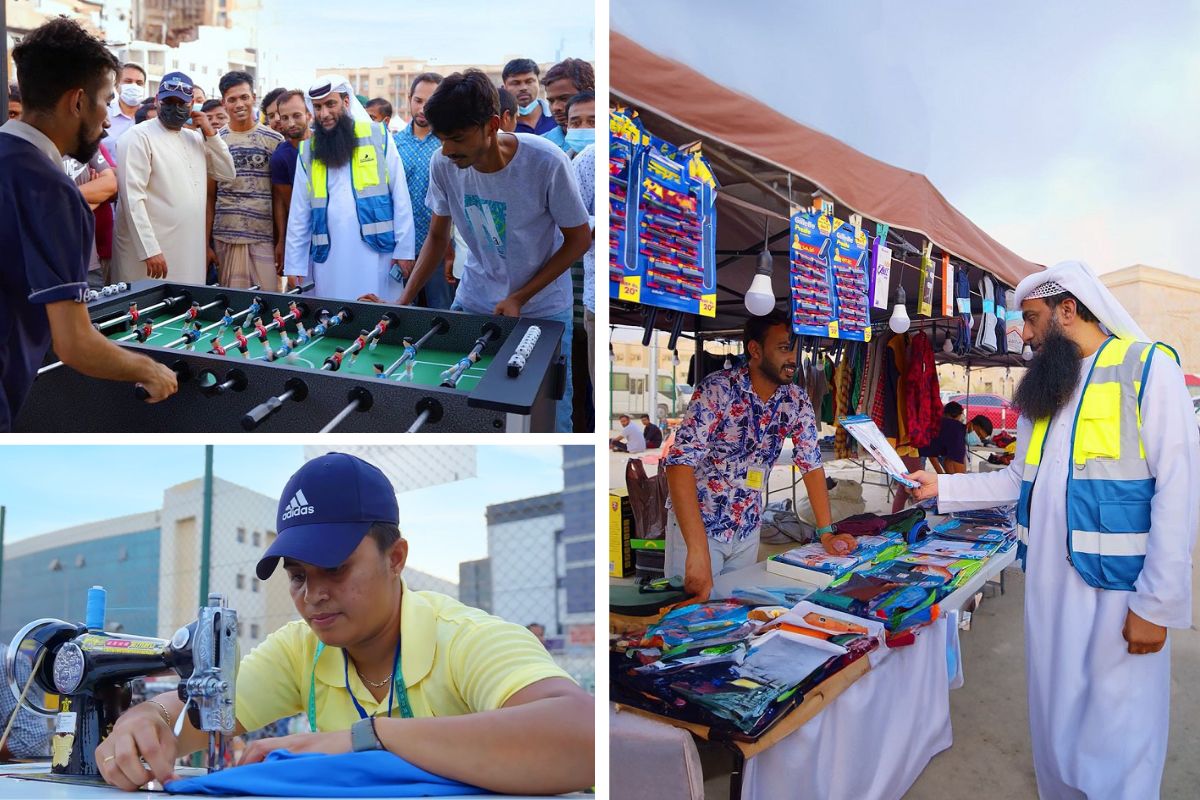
<point>438,292</point>
<point>563,408</point>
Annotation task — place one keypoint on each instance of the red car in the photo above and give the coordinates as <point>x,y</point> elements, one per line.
<point>998,410</point>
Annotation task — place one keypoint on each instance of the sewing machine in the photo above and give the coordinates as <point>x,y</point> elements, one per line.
<point>89,670</point>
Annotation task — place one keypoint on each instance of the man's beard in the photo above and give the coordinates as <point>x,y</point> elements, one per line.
<point>776,374</point>
<point>336,145</point>
<point>1051,376</point>
<point>85,149</point>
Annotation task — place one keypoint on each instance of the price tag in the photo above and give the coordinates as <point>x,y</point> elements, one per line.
<point>754,478</point>
<point>631,288</point>
<point>708,305</point>
<point>833,329</point>
<point>867,334</point>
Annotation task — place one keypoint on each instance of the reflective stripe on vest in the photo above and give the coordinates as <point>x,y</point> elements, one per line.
<point>1109,485</point>
<point>370,181</point>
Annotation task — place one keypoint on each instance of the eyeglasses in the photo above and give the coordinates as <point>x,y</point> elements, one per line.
<point>175,85</point>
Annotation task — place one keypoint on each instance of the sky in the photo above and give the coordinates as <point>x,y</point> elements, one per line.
<point>1064,130</point>
<point>325,34</point>
<point>49,487</point>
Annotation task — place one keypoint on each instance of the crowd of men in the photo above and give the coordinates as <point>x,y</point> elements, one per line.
<point>480,202</point>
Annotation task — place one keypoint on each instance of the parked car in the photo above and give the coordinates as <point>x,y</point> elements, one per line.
<point>998,410</point>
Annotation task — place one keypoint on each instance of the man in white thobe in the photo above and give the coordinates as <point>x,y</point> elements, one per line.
<point>1097,659</point>
<point>356,263</point>
<point>162,182</point>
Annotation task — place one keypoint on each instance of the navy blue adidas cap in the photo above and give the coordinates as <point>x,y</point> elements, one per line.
<point>326,509</point>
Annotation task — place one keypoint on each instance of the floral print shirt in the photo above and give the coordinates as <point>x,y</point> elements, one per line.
<point>727,431</point>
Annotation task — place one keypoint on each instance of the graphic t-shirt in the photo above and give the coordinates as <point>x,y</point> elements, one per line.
<point>510,220</point>
<point>243,213</point>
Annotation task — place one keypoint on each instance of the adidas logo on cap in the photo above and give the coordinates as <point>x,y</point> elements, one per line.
<point>297,506</point>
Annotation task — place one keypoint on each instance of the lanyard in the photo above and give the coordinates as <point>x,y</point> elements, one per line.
<point>398,690</point>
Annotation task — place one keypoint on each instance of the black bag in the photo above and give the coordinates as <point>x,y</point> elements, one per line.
<point>647,499</point>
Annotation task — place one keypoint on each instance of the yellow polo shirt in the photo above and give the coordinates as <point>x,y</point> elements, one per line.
<point>455,660</point>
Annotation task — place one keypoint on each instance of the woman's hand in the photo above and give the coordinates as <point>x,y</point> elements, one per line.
<point>331,743</point>
<point>139,738</point>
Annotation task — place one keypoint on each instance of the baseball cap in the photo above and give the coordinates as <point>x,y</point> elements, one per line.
<point>325,510</point>
<point>176,84</point>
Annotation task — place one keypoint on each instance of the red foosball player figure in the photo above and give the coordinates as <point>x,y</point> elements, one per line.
<point>277,318</point>
<point>143,333</point>
<point>191,314</point>
<point>294,310</point>
<point>240,342</point>
<point>133,314</point>
<point>361,343</point>
<point>334,362</point>
<point>216,346</point>
<point>381,329</point>
<point>261,329</point>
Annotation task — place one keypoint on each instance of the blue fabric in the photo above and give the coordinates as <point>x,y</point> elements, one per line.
<point>283,164</point>
<point>373,773</point>
<point>559,137</point>
<point>47,232</point>
<point>416,153</point>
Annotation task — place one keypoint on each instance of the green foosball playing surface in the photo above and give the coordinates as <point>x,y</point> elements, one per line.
<point>427,370</point>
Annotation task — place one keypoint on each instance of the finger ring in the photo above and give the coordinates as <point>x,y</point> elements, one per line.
<point>110,758</point>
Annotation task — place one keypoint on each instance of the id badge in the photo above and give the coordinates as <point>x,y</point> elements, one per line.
<point>397,274</point>
<point>756,477</point>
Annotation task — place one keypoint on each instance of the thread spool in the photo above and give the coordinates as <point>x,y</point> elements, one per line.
<point>96,602</point>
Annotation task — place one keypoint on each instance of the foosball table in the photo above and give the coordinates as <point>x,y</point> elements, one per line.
<point>290,362</point>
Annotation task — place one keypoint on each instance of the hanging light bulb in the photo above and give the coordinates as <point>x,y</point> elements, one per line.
<point>760,297</point>
<point>675,357</point>
<point>1027,353</point>
<point>899,322</point>
<point>612,356</point>
<point>948,346</point>
<point>728,361</point>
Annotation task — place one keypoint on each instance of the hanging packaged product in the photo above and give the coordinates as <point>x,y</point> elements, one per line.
<point>626,140</point>
<point>925,300</point>
<point>881,271</point>
<point>666,239</point>
<point>828,277</point>
<point>947,286</point>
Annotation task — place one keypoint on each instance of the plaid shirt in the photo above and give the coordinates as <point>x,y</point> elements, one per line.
<point>416,153</point>
<point>727,430</point>
<point>30,737</point>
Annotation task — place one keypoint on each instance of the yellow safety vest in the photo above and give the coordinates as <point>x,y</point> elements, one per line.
<point>372,194</point>
<point>1109,485</point>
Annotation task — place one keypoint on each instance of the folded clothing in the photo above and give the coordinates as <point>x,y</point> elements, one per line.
<point>873,524</point>
<point>372,773</point>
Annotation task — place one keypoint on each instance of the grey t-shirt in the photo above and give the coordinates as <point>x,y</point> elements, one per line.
<point>79,173</point>
<point>510,220</point>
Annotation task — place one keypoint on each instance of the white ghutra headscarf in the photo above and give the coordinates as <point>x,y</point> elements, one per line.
<point>1078,278</point>
<point>335,83</point>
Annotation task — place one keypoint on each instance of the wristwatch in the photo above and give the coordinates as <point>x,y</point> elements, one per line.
<point>363,736</point>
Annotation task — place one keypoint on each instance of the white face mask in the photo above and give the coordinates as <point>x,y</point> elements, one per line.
<point>132,94</point>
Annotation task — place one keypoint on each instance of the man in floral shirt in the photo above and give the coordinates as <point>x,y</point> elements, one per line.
<point>730,438</point>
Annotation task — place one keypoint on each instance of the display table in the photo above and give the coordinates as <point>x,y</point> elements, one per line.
<point>891,715</point>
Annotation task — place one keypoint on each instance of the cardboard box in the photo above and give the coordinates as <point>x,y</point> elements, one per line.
<point>620,531</point>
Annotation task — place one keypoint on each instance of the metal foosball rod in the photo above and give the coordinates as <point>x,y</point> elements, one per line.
<point>360,403</point>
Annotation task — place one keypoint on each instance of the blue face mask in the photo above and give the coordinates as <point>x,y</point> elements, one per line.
<point>579,138</point>
<point>525,110</point>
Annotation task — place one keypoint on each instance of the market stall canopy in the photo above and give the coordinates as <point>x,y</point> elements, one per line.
<point>763,158</point>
